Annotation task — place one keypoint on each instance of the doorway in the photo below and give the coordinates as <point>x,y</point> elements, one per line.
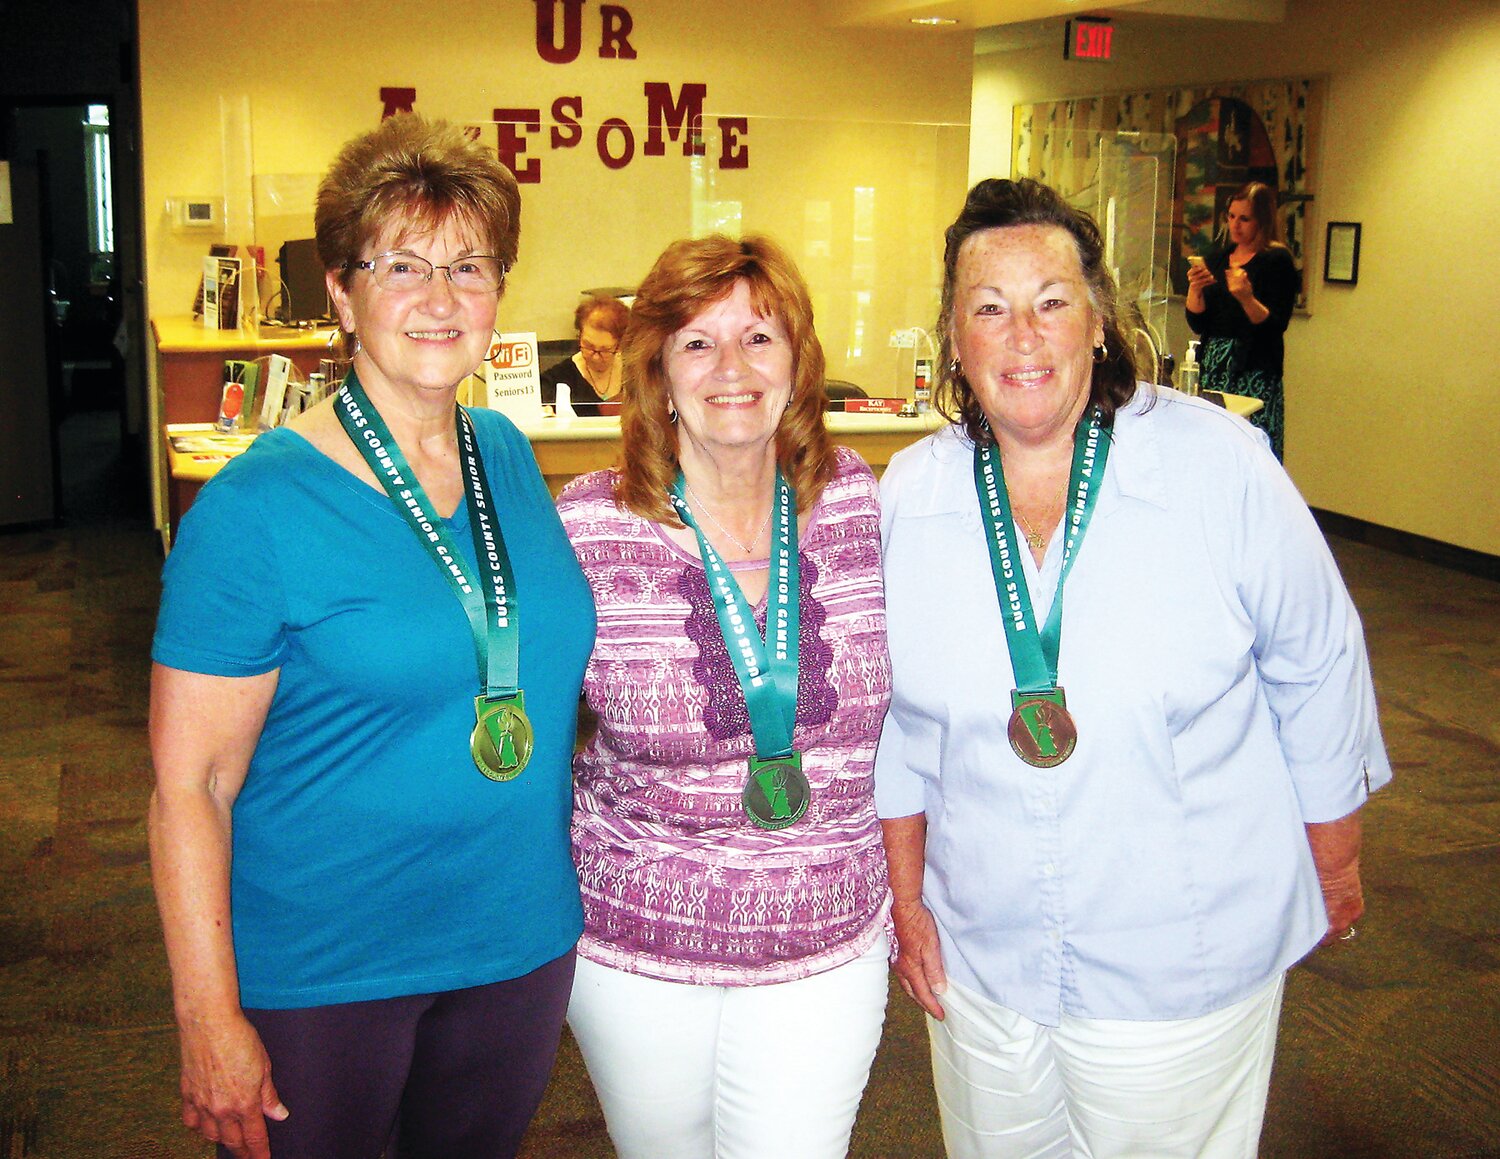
<point>76,295</point>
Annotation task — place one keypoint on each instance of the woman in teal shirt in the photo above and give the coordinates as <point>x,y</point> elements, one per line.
<point>363,712</point>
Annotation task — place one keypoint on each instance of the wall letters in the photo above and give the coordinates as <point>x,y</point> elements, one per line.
<point>675,116</point>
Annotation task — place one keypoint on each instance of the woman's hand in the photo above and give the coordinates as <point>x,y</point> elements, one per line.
<point>227,1092</point>
<point>1199,277</point>
<point>919,961</point>
<point>1335,850</point>
<point>1237,282</point>
<point>204,730</point>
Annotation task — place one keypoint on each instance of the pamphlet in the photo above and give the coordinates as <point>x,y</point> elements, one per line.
<point>221,293</point>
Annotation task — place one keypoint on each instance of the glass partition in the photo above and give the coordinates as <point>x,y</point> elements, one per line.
<point>862,208</point>
<point>1124,180</point>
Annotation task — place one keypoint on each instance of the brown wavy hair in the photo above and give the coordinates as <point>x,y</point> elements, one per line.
<point>688,278</point>
<point>998,203</point>
<point>420,173</point>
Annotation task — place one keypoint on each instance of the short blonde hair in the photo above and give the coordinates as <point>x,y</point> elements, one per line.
<point>418,173</point>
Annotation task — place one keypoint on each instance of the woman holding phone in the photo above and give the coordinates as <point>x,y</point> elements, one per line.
<point>1239,302</point>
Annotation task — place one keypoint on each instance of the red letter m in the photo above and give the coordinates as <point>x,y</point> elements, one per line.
<point>662,110</point>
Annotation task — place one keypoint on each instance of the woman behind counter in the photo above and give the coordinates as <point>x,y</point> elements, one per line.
<point>732,972</point>
<point>1239,301</point>
<point>592,376</point>
<point>1113,824</point>
<point>360,846</point>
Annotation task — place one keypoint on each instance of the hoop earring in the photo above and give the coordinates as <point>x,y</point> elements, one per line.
<point>955,369</point>
<point>337,337</point>
<point>1101,353</point>
<point>671,414</point>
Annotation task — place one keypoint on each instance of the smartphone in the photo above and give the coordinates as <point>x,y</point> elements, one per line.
<point>1196,260</point>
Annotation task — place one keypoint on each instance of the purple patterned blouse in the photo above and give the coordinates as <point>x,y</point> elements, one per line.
<point>677,882</point>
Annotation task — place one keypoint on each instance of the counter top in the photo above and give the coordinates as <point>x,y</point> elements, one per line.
<point>595,429</point>
<point>196,451</point>
<point>184,334</point>
<point>1242,404</point>
<point>575,446</point>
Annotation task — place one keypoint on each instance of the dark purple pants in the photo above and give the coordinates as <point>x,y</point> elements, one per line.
<point>434,1076</point>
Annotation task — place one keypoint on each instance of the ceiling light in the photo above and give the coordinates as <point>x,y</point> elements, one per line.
<point>933,21</point>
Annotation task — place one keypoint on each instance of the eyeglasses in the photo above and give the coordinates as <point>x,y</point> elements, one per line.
<point>477,274</point>
<point>604,351</point>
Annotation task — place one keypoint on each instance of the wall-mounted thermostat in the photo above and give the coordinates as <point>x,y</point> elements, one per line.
<point>196,212</point>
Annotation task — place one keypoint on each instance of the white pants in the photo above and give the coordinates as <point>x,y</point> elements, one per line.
<point>730,1072</point>
<point>1008,1088</point>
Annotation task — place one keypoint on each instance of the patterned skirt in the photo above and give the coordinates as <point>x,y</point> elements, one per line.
<point>1219,370</point>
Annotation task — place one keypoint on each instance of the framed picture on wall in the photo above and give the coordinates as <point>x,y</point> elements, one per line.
<point>1341,252</point>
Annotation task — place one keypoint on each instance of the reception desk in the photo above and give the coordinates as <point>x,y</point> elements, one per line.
<point>190,361</point>
<point>195,452</point>
<point>567,448</point>
<point>190,381</point>
<point>576,446</point>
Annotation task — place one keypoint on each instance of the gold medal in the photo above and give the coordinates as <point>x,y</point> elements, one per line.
<point>502,739</point>
<point>1041,729</point>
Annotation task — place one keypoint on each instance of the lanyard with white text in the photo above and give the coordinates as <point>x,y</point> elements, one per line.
<point>776,793</point>
<point>502,739</point>
<point>1041,730</point>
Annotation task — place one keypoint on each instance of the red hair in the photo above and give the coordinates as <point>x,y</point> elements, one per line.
<point>688,278</point>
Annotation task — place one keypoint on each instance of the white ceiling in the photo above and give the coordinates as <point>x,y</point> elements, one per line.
<point>976,14</point>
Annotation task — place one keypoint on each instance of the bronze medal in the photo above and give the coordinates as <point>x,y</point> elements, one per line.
<point>1041,730</point>
<point>776,792</point>
<point>502,738</point>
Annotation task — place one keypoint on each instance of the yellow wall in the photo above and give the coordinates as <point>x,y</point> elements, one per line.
<point>1392,386</point>
<point>250,102</point>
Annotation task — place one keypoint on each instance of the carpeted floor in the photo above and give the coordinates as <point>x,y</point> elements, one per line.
<point>1390,1045</point>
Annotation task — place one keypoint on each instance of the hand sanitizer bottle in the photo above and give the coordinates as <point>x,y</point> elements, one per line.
<point>1187,374</point>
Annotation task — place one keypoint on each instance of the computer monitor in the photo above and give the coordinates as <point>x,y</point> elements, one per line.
<point>304,295</point>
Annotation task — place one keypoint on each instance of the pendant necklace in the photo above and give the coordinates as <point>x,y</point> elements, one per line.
<point>1033,540</point>
<point>747,548</point>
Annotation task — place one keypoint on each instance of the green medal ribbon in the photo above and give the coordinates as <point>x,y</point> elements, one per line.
<point>777,793</point>
<point>502,740</point>
<point>1040,711</point>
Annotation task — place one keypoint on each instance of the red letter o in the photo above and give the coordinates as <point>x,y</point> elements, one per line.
<point>601,142</point>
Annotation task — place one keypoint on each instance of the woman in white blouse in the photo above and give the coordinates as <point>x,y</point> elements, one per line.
<point>1112,825</point>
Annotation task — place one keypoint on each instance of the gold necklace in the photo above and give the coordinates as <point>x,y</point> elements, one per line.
<point>1033,540</point>
<point>747,548</point>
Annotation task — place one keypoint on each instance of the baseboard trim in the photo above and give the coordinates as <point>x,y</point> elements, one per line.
<point>1463,559</point>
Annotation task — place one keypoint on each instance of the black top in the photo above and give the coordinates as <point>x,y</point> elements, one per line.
<point>1275,280</point>
<point>583,397</point>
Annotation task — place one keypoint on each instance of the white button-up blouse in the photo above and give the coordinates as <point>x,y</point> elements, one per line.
<point>1217,673</point>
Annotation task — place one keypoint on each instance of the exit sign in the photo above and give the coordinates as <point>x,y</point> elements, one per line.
<point>1089,38</point>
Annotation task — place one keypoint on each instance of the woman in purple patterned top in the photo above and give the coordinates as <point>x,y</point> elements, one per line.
<point>732,971</point>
